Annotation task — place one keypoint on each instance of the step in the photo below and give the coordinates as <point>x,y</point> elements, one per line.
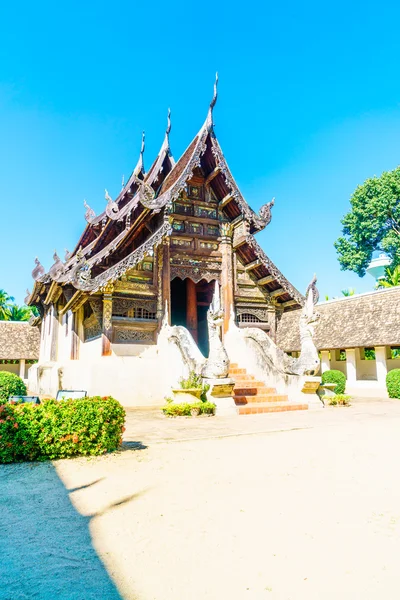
<point>254,409</point>
<point>260,399</point>
<point>250,384</point>
<point>233,372</point>
<point>253,391</point>
<point>243,377</point>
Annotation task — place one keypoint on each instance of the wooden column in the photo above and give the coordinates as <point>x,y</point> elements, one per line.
<point>191,309</point>
<point>226,272</point>
<point>75,336</point>
<point>166,278</point>
<point>107,321</point>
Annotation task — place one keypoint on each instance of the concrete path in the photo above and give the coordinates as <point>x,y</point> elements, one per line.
<point>291,506</point>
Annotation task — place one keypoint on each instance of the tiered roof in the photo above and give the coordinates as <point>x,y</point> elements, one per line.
<point>136,222</point>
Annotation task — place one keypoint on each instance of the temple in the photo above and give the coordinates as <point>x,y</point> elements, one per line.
<point>156,250</point>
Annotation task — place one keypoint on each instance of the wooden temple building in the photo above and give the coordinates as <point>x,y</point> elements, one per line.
<point>171,233</point>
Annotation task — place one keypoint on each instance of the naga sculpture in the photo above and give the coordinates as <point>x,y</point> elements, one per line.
<point>216,366</point>
<point>268,356</point>
<point>308,362</point>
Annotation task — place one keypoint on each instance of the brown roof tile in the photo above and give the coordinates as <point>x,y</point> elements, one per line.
<point>19,340</point>
<point>365,320</point>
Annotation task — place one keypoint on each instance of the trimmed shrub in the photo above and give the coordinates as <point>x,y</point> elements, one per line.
<point>60,429</point>
<point>11,385</point>
<point>393,383</point>
<point>183,409</point>
<point>337,377</point>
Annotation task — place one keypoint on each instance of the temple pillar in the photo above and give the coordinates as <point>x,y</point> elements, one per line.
<point>74,336</point>
<point>381,365</point>
<point>22,368</point>
<point>351,365</point>
<point>271,313</point>
<point>191,309</point>
<point>107,321</point>
<point>325,362</point>
<point>166,278</point>
<point>226,250</point>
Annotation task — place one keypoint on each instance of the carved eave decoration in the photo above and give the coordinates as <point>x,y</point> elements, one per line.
<point>74,304</point>
<point>53,294</point>
<point>285,285</point>
<point>81,278</point>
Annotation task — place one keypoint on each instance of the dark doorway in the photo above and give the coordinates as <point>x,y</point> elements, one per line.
<point>192,316</point>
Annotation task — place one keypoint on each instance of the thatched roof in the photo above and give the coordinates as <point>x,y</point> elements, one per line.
<point>19,340</point>
<point>365,320</point>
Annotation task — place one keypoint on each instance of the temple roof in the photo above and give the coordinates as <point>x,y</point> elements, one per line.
<point>18,340</point>
<point>112,239</point>
<point>365,320</point>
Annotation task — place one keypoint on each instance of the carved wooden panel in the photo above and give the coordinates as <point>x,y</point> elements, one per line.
<point>124,335</point>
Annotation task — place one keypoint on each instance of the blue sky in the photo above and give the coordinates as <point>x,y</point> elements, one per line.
<point>308,108</point>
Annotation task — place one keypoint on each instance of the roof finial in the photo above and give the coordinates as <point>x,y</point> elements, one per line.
<point>213,102</point>
<point>169,122</point>
<point>143,145</point>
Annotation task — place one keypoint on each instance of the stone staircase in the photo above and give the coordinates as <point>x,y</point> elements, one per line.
<point>254,397</point>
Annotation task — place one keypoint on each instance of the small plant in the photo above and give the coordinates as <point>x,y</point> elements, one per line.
<point>10,385</point>
<point>195,382</point>
<point>184,409</point>
<point>333,401</point>
<point>393,383</point>
<point>334,376</point>
<point>192,382</point>
<point>343,399</point>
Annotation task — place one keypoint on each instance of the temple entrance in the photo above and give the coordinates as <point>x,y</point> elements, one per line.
<point>189,305</point>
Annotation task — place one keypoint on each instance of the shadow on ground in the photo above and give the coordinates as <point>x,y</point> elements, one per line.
<point>46,549</point>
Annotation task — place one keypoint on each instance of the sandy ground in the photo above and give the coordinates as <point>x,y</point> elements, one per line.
<point>290,506</point>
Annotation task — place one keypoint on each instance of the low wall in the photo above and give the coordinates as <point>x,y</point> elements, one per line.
<point>143,380</point>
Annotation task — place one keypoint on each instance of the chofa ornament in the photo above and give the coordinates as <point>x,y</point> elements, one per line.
<point>90,215</point>
<point>57,269</point>
<point>38,271</point>
<point>265,213</point>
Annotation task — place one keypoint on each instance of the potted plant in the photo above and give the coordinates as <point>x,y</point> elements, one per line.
<point>190,389</point>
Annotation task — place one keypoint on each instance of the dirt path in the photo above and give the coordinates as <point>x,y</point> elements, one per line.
<point>307,513</point>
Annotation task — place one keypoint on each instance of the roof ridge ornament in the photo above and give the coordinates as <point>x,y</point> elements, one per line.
<point>209,121</point>
<point>167,131</point>
<point>57,269</point>
<point>90,215</point>
<point>112,210</point>
<point>265,213</point>
<point>38,271</point>
<point>140,163</point>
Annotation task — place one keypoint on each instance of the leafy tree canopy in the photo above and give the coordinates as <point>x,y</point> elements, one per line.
<point>372,224</point>
<point>9,311</point>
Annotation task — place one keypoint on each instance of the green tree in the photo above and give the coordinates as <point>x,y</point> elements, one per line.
<point>392,278</point>
<point>19,313</point>
<point>5,305</point>
<point>373,223</point>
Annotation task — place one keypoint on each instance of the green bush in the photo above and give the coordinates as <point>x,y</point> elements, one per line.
<point>337,377</point>
<point>393,383</point>
<point>183,409</point>
<point>60,429</point>
<point>11,385</point>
